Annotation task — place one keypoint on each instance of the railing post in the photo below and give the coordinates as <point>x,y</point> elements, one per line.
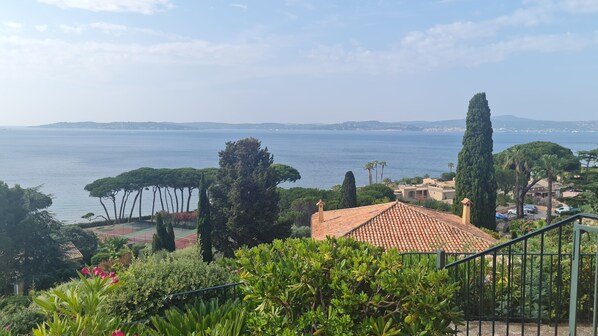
<point>574,280</point>
<point>440,259</point>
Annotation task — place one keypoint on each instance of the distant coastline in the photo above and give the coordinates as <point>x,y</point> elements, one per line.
<point>500,124</point>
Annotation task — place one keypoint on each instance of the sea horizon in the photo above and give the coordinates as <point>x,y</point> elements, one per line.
<point>63,161</point>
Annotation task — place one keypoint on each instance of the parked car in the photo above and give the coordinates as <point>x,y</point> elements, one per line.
<point>525,211</point>
<point>531,208</point>
<point>567,210</point>
<point>501,216</point>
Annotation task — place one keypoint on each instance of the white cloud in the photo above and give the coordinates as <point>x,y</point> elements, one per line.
<point>68,29</point>
<point>241,6</point>
<point>50,57</point>
<point>41,28</point>
<point>11,26</point>
<point>581,6</point>
<point>109,28</point>
<point>146,7</point>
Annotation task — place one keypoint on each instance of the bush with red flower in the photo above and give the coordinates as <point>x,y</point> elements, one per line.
<point>75,308</point>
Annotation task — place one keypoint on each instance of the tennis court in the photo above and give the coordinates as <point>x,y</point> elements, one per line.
<point>142,232</point>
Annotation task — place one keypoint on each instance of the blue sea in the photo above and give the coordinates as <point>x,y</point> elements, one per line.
<point>63,161</point>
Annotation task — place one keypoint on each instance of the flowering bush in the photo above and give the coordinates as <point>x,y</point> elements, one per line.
<point>185,216</point>
<point>75,309</point>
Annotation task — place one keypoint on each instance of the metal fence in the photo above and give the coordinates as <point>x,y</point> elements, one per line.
<point>522,286</point>
<point>223,293</point>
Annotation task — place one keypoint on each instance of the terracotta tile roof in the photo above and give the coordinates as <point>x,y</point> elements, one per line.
<point>404,227</point>
<point>72,253</point>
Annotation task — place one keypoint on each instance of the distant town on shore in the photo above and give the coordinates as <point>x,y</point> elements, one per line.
<point>505,123</point>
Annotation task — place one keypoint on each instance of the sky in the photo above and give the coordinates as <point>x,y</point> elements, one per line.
<point>295,61</point>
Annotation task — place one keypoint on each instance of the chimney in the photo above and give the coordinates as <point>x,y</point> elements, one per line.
<point>466,219</point>
<point>320,205</point>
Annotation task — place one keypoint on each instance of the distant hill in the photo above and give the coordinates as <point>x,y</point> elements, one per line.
<point>349,125</point>
<point>119,125</point>
<point>512,123</point>
<point>499,123</point>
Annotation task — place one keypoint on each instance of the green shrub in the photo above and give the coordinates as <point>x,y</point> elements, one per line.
<point>375,194</point>
<point>147,281</point>
<point>342,287</point>
<point>300,231</point>
<point>75,307</point>
<point>201,319</point>
<point>19,315</point>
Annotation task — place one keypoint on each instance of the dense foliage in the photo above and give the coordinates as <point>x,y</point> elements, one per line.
<point>375,194</point>
<point>244,198</point>
<point>18,315</point>
<point>586,183</point>
<point>475,168</point>
<point>148,280</point>
<point>75,308</point>
<point>348,192</point>
<point>342,287</point>
<point>163,239</point>
<point>201,319</point>
<point>31,244</point>
<point>525,160</point>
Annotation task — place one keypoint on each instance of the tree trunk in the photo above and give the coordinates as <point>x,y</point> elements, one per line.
<point>524,191</point>
<point>189,197</point>
<point>114,204</point>
<point>133,206</point>
<point>182,199</point>
<point>140,196</point>
<point>171,202</point>
<point>105,210</point>
<point>153,201</point>
<point>161,200</point>
<point>370,176</point>
<point>176,197</point>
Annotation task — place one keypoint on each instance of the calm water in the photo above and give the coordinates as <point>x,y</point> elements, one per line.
<point>62,162</point>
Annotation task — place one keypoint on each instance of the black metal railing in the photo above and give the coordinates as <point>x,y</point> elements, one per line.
<point>523,285</point>
<point>223,293</point>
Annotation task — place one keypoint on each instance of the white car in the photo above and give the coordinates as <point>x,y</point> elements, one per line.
<point>525,211</point>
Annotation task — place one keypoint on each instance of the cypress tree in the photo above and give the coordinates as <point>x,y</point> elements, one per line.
<point>170,243</point>
<point>204,224</point>
<point>160,238</point>
<point>348,192</point>
<point>475,169</point>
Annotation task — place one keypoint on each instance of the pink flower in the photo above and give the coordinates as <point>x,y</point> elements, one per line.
<point>118,333</point>
<point>85,271</point>
<point>114,280</point>
<point>104,275</point>
<point>97,271</point>
<point>112,275</point>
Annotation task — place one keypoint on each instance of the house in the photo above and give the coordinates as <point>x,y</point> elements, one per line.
<point>430,188</point>
<point>402,226</point>
<point>539,191</point>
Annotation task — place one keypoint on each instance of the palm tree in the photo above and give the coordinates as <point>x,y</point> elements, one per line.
<point>451,166</point>
<point>382,164</point>
<point>549,167</point>
<point>516,157</point>
<point>376,168</point>
<point>369,166</point>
